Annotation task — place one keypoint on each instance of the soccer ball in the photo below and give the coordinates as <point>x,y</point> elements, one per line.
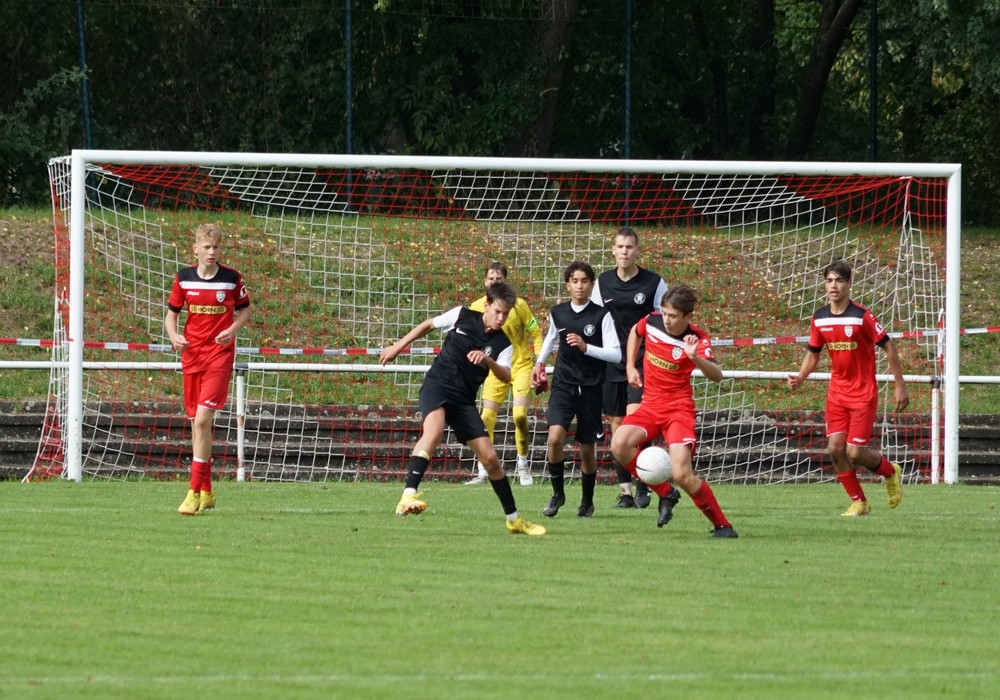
<point>653,465</point>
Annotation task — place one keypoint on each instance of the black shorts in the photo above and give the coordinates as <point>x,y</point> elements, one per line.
<point>461,415</point>
<point>617,396</point>
<point>581,402</point>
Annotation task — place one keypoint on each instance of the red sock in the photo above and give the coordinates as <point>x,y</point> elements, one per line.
<point>704,498</point>
<point>663,489</point>
<point>206,477</point>
<point>630,467</point>
<point>884,468</point>
<point>197,473</point>
<point>849,480</point>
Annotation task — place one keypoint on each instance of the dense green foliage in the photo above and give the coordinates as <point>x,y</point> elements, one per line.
<point>320,591</point>
<point>716,79</point>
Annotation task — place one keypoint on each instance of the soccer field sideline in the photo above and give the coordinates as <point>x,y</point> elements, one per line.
<point>318,590</point>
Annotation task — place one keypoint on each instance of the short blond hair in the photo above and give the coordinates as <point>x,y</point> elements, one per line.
<point>208,232</point>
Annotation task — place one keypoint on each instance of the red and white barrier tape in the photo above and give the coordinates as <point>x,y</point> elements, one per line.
<point>716,342</point>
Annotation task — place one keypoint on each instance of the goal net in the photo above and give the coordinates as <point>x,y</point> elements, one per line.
<point>343,255</point>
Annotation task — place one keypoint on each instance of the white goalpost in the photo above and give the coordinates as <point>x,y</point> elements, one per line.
<point>344,254</point>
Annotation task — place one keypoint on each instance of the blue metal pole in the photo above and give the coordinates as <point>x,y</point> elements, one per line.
<point>627,136</point>
<point>873,82</point>
<point>348,78</point>
<point>627,149</point>
<point>85,87</point>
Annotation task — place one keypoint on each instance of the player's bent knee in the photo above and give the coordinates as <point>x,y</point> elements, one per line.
<point>520,416</point>
<point>625,441</point>
<point>856,452</point>
<point>491,463</point>
<point>203,420</point>
<point>489,417</point>
<point>682,474</point>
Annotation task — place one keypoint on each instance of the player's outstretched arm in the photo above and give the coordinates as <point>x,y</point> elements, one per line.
<point>392,352</point>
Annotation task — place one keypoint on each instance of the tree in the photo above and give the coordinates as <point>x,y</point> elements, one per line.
<point>763,70</point>
<point>835,18</point>
<point>940,72</point>
<point>546,67</point>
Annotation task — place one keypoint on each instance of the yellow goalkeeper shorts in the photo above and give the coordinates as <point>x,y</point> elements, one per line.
<point>496,391</point>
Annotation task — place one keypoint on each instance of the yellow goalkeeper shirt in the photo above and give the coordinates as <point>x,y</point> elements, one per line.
<point>522,329</point>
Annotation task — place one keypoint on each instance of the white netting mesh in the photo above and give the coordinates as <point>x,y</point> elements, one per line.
<point>341,262</point>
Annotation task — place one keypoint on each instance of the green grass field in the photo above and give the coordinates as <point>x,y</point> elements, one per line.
<point>319,591</point>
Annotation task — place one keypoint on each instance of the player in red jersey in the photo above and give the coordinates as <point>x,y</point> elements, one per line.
<point>673,350</point>
<point>850,333</point>
<point>218,306</point>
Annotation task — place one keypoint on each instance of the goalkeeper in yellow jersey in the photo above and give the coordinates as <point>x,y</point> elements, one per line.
<point>526,337</point>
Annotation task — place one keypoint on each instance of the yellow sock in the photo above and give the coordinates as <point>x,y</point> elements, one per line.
<point>521,429</point>
<point>489,417</point>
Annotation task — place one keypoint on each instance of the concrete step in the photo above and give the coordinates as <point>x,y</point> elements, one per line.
<point>354,438</point>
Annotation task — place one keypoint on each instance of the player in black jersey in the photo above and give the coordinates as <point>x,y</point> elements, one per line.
<point>587,342</point>
<point>630,293</point>
<point>474,346</point>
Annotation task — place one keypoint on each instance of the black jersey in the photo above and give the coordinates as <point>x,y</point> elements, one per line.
<point>451,369</point>
<point>574,367</point>
<point>628,301</point>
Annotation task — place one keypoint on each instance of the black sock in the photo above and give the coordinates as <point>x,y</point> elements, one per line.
<point>415,471</point>
<point>556,470</point>
<point>501,487</point>
<point>587,481</point>
<point>622,473</point>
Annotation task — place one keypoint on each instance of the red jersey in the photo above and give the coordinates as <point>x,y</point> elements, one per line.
<point>211,304</point>
<point>850,338</point>
<point>666,382</point>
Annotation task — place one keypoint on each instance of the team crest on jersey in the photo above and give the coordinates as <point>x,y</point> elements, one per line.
<point>848,331</point>
<point>488,351</point>
<point>220,296</point>
<point>677,353</point>
<point>639,299</point>
<point>589,329</point>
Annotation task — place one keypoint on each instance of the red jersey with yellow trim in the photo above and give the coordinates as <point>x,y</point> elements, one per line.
<point>850,338</point>
<point>211,304</point>
<point>666,381</point>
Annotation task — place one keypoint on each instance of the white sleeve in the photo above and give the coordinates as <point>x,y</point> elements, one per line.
<point>550,342</point>
<point>506,358</point>
<point>611,351</point>
<point>446,321</point>
<point>661,289</point>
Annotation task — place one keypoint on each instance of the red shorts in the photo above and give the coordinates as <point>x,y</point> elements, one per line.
<point>856,422</point>
<point>676,427</point>
<point>209,389</point>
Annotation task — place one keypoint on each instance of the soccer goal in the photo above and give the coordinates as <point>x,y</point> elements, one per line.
<point>344,254</point>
